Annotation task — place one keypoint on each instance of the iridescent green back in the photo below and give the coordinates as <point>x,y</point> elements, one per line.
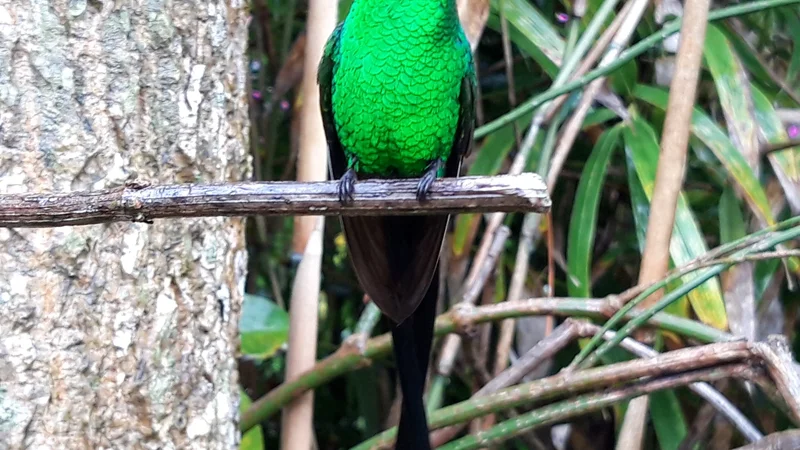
<point>396,84</point>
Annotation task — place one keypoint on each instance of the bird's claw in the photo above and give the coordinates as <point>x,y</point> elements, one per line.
<point>426,182</point>
<point>347,186</point>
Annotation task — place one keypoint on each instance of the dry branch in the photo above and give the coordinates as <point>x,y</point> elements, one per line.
<point>567,332</point>
<point>740,354</point>
<point>142,203</point>
<point>462,319</point>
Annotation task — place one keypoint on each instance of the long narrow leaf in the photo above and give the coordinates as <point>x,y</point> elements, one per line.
<point>531,32</point>
<point>583,222</point>
<point>640,208</point>
<point>733,89</point>
<point>687,241</point>
<point>785,163</point>
<point>668,420</point>
<point>717,140</point>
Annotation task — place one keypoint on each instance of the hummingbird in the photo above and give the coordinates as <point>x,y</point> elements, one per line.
<point>397,86</point>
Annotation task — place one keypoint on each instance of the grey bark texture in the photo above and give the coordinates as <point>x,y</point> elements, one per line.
<point>121,335</point>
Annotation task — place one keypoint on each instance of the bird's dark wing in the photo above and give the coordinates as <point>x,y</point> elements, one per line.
<point>337,161</point>
<point>394,257</point>
<point>462,145</point>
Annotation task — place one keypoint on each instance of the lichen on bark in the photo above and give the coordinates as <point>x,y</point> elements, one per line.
<point>121,335</point>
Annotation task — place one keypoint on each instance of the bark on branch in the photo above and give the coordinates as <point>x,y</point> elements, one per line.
<point>142,203</point>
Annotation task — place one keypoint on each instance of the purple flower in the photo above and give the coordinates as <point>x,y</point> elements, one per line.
<point>257,95</point>
<point>793,130</point>
<point>562,17</point>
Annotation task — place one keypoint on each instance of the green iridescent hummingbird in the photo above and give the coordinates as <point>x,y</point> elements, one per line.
<point>397,88</point>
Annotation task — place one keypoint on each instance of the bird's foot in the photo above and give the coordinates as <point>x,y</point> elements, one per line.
<point>347,186</point>
<point>426,182</point>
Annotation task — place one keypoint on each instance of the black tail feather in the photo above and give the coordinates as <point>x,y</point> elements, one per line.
<point>412,341</point>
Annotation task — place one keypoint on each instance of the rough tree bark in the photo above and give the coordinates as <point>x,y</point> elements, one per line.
<point>121,335</point>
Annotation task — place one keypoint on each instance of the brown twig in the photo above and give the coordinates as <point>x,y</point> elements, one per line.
<point>770,148</point>
<point>142,203</point>
<point>717,356</point>
<point>777,354</point>
<point>544,349</point>
<point>459,319</point>
<point>704,390</point>
<point>583,404</point>
<point>567,332</point>
<point>474,289</point>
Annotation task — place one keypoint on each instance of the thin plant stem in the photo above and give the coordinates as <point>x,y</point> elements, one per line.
<point>588,403</point>
<point>680,292</point>
<point>691,267</point>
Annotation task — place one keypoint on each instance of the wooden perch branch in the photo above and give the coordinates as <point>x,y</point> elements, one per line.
<point>142,203</point>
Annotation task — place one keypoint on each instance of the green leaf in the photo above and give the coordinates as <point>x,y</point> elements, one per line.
<point>733,88</point>
<point>598,116</point>
<point>717,140</point>
<point>623,80</point>
<point>583,221</point>
<point>464,232</point>
<point>531,32</point>
<point>254,438</point>
<point>263,325</point>
<point>755,69</point>
<point>640,207</point>
<point>687,241</point>
<point>731,221</point>
<point>787,162</point>
<point>668,420</point>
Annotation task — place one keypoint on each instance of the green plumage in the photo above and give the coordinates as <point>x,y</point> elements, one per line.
<point>397,78</point>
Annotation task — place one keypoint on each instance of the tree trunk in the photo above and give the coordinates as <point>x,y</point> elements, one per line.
<point>121,335</point>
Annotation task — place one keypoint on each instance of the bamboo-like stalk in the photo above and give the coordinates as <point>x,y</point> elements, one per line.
<point>297,430</point>
<point>473,15</point>
<point>298,416</point>
<point>312,163</point>
<point>668,182</point>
